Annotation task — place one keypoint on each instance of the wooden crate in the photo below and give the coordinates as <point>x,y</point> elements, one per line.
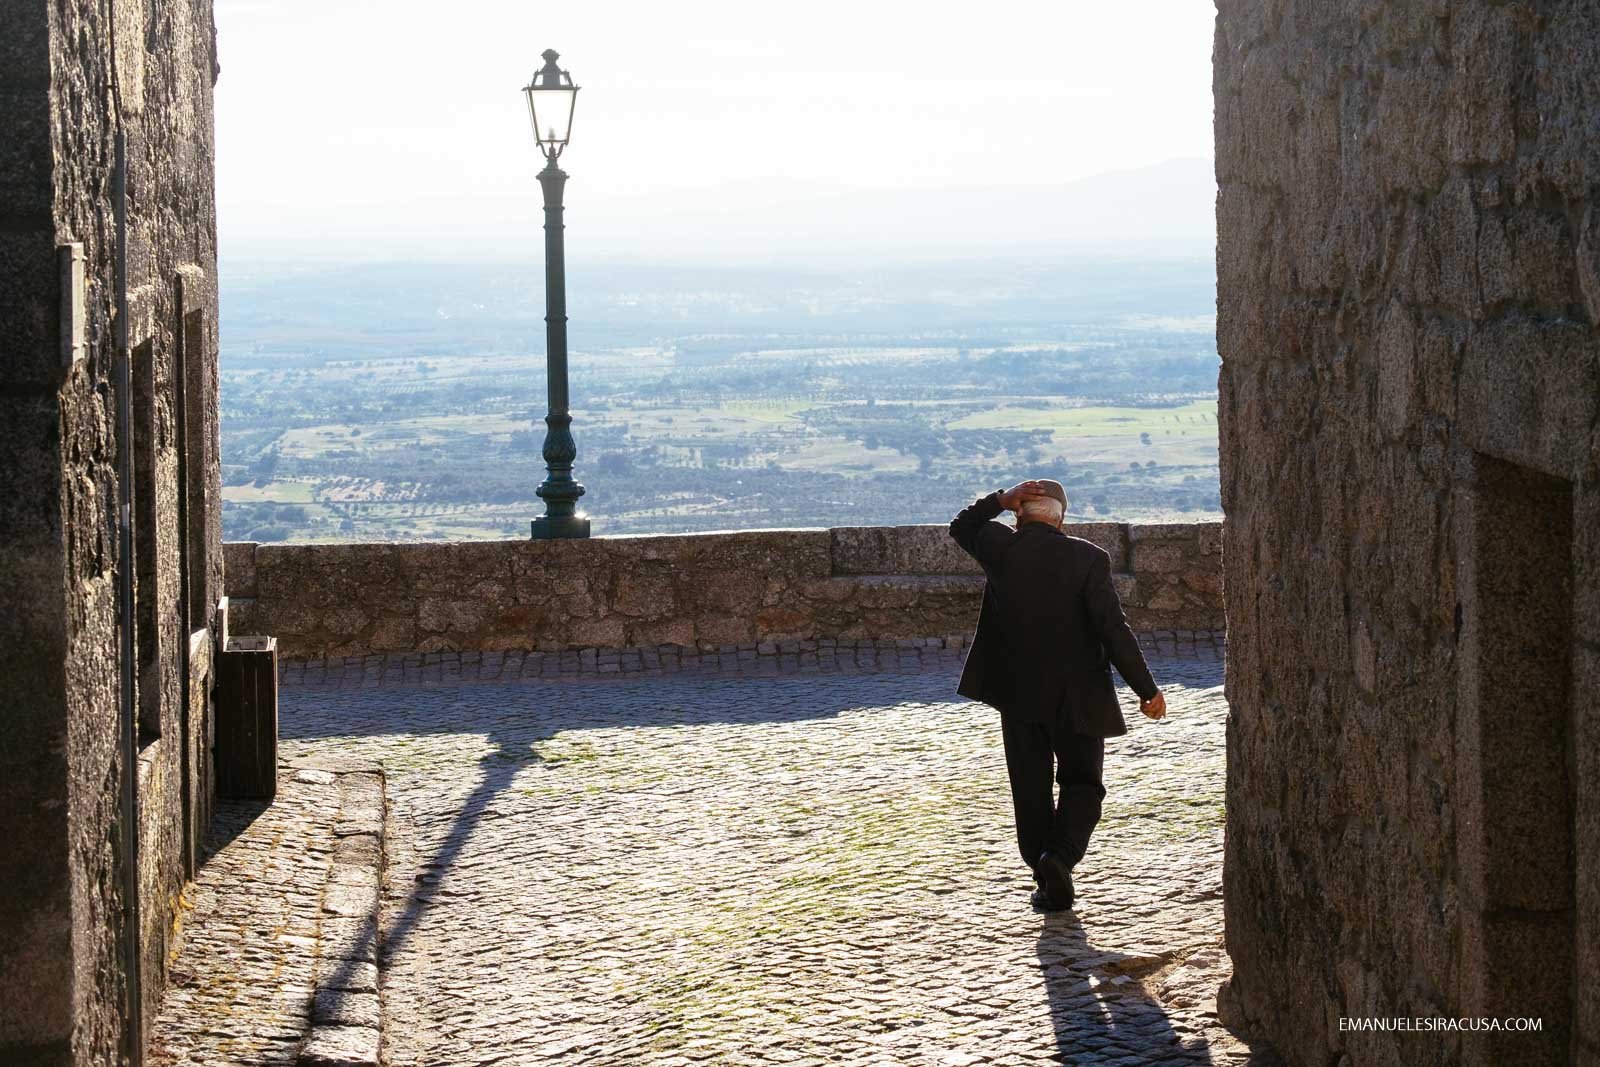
<point>247,718</point>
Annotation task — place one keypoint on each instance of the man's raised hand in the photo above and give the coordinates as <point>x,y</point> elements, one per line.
<point>1155,707</point>
<point>1021,493</point>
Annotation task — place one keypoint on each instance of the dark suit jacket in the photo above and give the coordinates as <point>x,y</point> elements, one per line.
<point>1050,627</point>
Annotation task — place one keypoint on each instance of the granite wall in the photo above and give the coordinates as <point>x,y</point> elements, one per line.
<point>698,590</point>
<point>1408,299</point>
<point>71,73</point>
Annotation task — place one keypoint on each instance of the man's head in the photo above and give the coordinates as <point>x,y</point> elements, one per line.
<point>1050,508</point>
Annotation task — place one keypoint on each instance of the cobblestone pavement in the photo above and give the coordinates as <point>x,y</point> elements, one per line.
<point>240,989</point>
<point>808,868</point>
<point>275,953</point>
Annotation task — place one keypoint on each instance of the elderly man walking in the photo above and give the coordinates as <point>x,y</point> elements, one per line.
<point>1049,630</point>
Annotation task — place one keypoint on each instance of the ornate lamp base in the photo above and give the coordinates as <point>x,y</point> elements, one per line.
<point>550,528</point>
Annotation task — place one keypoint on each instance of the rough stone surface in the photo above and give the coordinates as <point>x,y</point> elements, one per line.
<point>1407,313</point>
<point>241,989</point>
<point>62,86</point>
<point>641,592</point>
<point>797,869</point>
<point>342,1046</point>
<point>275,964</point>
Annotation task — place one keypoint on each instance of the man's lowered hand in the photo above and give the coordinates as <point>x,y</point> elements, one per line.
<point>1155,707</point>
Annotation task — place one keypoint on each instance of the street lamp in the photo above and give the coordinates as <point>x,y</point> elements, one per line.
<point>551,99</point>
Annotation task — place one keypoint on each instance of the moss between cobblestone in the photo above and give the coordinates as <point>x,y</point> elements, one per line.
<point>561,748</point>
<point>1177,819</point>
<point>180,905</point>
<point>823,900</point>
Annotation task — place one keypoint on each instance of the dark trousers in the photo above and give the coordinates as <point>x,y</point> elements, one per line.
<point>1036,752</point>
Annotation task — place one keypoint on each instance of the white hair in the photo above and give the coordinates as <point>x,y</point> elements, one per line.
<point>1045,509</point>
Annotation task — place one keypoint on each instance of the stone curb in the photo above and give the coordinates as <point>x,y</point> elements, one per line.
<point>346,1010</point>
<point>762,658</point>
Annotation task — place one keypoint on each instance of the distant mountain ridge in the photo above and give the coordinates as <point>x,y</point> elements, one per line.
<point>1165,210</point>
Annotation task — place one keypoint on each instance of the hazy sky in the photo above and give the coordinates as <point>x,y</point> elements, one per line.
<point>395,128</point>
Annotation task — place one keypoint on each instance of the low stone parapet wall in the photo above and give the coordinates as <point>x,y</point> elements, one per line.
<point>700,591</point>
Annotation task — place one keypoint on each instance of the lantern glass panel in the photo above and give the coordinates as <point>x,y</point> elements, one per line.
<point>550,111</point>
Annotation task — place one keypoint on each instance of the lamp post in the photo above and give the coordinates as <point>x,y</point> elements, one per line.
<point>551,99</point>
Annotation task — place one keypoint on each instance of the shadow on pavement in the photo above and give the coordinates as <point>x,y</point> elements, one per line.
<point>542,708</point>
<point>230,819</point>
<point>1098,1006</point>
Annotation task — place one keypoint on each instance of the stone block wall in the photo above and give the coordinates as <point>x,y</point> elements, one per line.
<point>71,75</point>
<point>695,590</point>
<point>1408,272</point>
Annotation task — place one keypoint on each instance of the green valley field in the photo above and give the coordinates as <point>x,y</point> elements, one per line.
<point>436,434</point>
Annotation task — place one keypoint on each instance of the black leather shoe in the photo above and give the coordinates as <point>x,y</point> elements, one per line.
<point>1055,878</point>
<point>1043,901</point>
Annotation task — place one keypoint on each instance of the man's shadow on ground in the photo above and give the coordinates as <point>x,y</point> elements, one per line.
<point>1101,1008</point>
<point>1098,1007</point>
